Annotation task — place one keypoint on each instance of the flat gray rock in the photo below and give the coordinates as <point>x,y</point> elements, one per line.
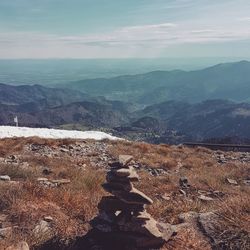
<point>232,181</point>
<point>205,198</point>
<point>208,223</point>
<point>134,197</point>
<point>61,181</point>
<point>125,159</point>
<point>4,178</point>
<point>125,172</point>
<point>148,228</point>
<point>188,217</point>
<point>143,215</point>
<point>117,186</point>
<point>166,229</point>
<point>111,176</point>
<point>113,204</point>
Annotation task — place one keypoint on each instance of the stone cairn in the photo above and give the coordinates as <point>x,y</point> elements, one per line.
<point>122,217</point>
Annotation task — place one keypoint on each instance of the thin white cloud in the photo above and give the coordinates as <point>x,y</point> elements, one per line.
<point>203,31</point>
<point>160,34</point>
<point>131,39</point>
<point>151,27</point>
<point>148,34</point>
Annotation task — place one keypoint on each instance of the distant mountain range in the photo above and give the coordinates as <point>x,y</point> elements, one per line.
<point>201,121</point>
<point>169,107</point>
<point>229,81</point>
<point>52,97</point>
<point>40,106</point>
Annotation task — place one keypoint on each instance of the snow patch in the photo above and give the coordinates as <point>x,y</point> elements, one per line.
<point>9,131</point>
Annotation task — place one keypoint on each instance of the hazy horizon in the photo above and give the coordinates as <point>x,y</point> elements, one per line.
<point>58,71</point>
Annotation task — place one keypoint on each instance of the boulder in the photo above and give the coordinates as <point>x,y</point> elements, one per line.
<point>188,217</point>
<point>209,223</point>
<point>43,230</point>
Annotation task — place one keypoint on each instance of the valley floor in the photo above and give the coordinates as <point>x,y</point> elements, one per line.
<point>49,191</point>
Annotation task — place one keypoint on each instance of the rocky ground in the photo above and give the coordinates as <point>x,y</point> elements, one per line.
<point>50,190</point>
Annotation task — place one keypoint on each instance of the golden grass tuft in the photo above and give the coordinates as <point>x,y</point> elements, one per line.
<point>73,205</point>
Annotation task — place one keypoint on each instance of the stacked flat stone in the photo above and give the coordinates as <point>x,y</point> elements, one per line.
<point>124,214</point>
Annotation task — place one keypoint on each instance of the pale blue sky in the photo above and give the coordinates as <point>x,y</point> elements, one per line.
<point>124,28</point>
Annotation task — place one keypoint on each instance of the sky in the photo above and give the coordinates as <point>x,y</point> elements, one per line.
<point>124,28</point>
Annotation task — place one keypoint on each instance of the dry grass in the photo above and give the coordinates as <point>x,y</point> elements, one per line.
<point>10,146</point>
<point>17,172</point>
<point>236,211</point>
<point>74,204</point>
<point>71,206</point>
<point>150,155</point>
<point>203,174</point>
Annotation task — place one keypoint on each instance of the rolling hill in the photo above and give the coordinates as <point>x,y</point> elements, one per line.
<point>201,121</point>
<point>223,81</point>
<point>167,107</point>
<point>23,94</point>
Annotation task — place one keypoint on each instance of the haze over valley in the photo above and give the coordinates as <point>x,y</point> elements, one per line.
<point>159,106</point>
